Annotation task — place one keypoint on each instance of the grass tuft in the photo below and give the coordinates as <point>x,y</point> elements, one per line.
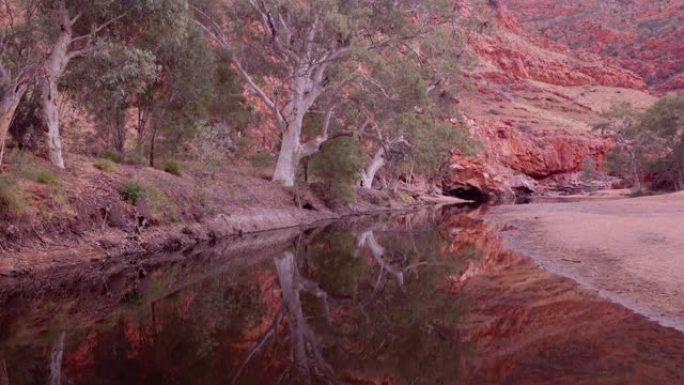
<point>172,167</point>
<point>132,192</point>
<point>104,164</point>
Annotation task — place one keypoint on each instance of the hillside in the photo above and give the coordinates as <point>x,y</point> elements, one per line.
<point>532,104</point>
<point>642,36</point>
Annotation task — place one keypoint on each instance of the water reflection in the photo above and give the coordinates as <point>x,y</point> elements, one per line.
<point>426,298</point>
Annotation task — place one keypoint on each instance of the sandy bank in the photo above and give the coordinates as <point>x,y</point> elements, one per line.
<point>630,250</point>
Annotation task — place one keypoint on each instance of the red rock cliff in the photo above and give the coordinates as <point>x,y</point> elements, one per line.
<point>644,36</point>
<point>533,104</point>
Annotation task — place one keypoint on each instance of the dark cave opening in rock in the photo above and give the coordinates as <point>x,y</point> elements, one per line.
<point>470,193</point>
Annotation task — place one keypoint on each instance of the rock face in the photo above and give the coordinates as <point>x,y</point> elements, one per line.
<point>541,153</point>
<point>532,107</point>
<point>644,36</point>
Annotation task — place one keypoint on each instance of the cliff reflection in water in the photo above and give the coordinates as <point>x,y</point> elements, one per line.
<point>426,298</point>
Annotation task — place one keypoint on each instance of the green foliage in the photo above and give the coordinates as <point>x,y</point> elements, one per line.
<point>433,140</point>
<point>12,201</point>
<point>135,158</point>
<point>105,165</point>
<point>660,137</point>
<point>45,176</point>
<point>112,155</point>
<point>618,162</point>
<point>172,167</point>
<point>186,90</point>
<point>27,168</point>
<point>665,118</point>
<point>105,81</point>
<point>132,192</point>
<point>334,264</point>
<point>338,165</point>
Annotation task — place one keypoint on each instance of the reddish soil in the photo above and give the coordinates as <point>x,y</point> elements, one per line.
<point>80,218</point>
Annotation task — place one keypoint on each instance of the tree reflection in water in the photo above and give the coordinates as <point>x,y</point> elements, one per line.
<point>344,304</point>
<point>414,299</point>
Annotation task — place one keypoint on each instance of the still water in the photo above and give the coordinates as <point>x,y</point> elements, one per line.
<point>430,297</point>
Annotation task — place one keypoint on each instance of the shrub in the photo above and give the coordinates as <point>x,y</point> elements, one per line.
<point>132,192</point>
<point>103,164</point>
<point>338,165</point>
<point>172,167</point>
<point>112,155</point>
<point>136,158</point>
<point>12,202</point>
<point>45,176</point>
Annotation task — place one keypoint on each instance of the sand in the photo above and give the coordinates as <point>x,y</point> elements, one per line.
<point>630,250</point>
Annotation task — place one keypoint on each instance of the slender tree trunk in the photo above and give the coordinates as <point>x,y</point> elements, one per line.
<point>56,361</point>
<point>56,63</point>
<point>8,106</point>
<point>378,162</point>
<point>635,171</point>
<point>142,123</point>
<point>153,139</point>
<point>120,132</point>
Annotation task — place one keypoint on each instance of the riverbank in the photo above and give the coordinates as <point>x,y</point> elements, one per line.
<point>97,210</point>
<point>629,250</point>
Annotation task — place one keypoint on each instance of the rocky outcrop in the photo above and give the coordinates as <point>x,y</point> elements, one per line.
<point>541,153</point>
<point>532,108</point>
<point>517,163</point>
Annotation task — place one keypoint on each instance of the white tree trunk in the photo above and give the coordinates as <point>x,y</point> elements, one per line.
<point>368,175</point>
<point>290,149</point>
<point>51,116</point>
<point>377,251</point>
<point>287,276</point>
<point>55,65</point>
<point>288,158</point>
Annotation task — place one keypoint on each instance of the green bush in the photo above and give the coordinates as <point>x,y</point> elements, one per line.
<point>338,165</point>
<point>103,164</point>
<point>172,167</point>
<point>112,155</point>
<point>136,158</point>
<point>45,176</point>
<point>132,192</point>
<point>12,202</point>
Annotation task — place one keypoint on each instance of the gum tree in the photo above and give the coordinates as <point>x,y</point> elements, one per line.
<point>71,27</point>
<point>19,60</point>
<point>290,54</point>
